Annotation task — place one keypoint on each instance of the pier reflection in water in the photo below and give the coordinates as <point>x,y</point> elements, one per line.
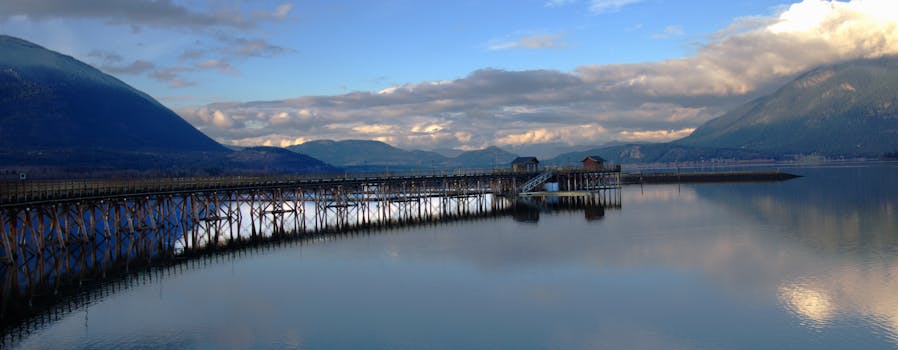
<point>213,231</point>
<point>592,205</point>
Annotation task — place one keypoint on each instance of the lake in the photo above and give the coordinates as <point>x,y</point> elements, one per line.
<point>810,263</point>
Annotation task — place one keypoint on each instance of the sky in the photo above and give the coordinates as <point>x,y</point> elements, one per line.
<point>463,74</point>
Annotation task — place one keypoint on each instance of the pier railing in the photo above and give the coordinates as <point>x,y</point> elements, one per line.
<point>37,191</point>
<point>31,191</point>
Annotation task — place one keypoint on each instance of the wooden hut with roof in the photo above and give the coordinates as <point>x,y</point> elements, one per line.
<point>527,164</point>
<point>594,163</point>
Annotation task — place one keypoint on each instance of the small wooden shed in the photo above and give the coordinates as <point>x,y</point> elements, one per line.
<point>529,164</point>
<point>594,163</point>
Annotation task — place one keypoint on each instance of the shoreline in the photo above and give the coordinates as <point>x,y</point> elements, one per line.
<point>705,177</point>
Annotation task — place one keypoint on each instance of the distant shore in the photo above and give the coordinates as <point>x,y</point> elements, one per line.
<point>697,177</point>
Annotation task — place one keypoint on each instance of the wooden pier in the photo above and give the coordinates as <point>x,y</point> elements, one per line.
<point>56,233</point>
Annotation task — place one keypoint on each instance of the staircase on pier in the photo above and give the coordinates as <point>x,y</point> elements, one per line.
<point>536,181</point>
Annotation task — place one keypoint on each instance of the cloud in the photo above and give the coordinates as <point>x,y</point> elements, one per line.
<point>803,36</point>
<point>558,3</point>
<point>654,101</point>
<point>173,76</point>
<point>192,54</point>
<point>607,6</point>
<point>283,11</point>
<point>136,67</point>
<point>654,135</point>
<point>221,29</point>
<point>251,47</point>
<point>180,43</point>
<point>530,41</point>
<point>547,135</point>
<point>669,32</point>
<point>193,60</point>
<point>487,107</point>
<point>157,13</point>
<point>230,48</point>
<point>111,63</point>
<point>220,65</point>
<point>377,129</point>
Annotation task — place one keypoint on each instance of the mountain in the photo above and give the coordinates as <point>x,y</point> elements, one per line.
<point>550,150</point>
<point>487,158</point>
<point>657,153</point>
<point>49,101</point>
<point>448,152</point>
<point>367,155</point>
<point>274,160</point>
<point>364,155</point>
<point>848,109</point>
<point>60,117</point>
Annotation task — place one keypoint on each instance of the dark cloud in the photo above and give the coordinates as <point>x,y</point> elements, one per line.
<point>173,76</point>
<point>111,63</point>
<point>136,67</point>
<point>192,54</point>
<point>132,12</point>
<point>223,23</point>
<point>251,47</point>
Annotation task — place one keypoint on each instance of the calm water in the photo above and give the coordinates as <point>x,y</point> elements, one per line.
<point>806,264</point>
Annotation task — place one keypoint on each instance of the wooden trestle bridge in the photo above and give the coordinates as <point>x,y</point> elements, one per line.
<point>54,233</point>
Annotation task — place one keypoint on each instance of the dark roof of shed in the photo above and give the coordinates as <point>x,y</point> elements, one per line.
<point>595,158</point>
<point>522,160</point>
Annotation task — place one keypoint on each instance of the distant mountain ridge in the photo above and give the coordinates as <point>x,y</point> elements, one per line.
<point>376,155</point>
<point>363,153</point>
<point>844,110</point>
<point>490,157</point>
<point>644,153</point>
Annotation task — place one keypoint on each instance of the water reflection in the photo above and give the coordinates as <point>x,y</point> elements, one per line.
<point>528,209</point>
<point>814,305</point>
<point>843,222</point>
<point>525,213</point>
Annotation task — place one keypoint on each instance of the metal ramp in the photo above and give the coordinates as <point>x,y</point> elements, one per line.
<point>536,181</point>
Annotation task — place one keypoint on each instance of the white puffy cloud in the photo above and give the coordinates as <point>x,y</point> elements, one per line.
<point>654,135</point>
<point>754,53</point>
<point>375,129</point>
<point>556,134</point>
<point>221,120</point>
<point>655,101</point>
